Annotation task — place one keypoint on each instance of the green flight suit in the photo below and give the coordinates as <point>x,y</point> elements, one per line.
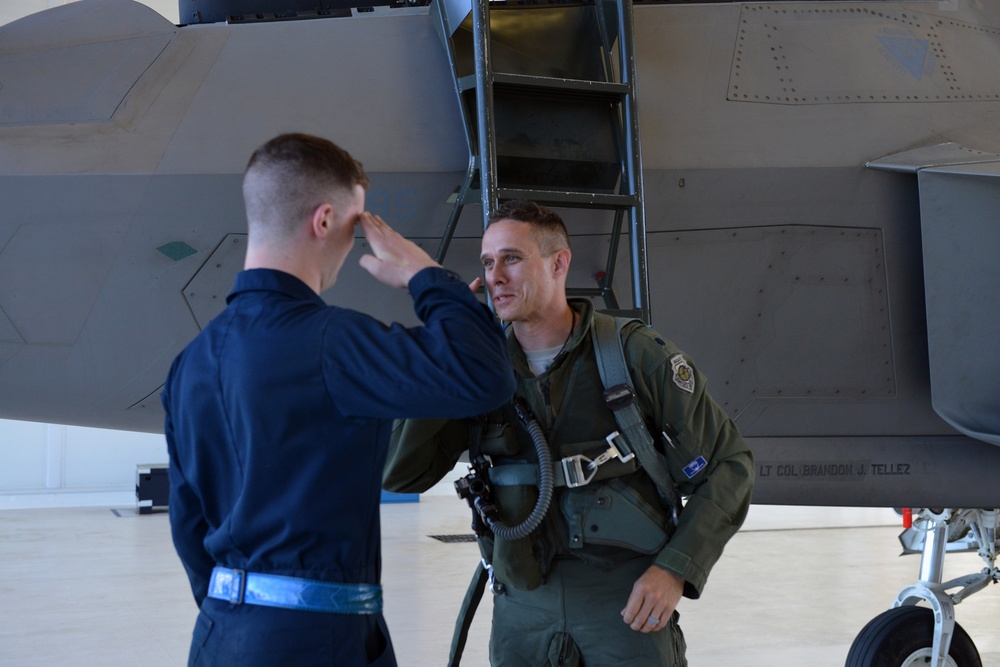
<point>616,525</point>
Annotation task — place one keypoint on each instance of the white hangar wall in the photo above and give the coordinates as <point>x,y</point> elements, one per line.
<point>52,465</point>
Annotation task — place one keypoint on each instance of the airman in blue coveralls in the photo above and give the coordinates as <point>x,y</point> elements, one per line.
<point>278,417</point>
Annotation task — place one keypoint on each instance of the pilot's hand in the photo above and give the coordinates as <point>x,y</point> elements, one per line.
<point>394,259</point>
<point>475,285</point>
<point>654,598</point>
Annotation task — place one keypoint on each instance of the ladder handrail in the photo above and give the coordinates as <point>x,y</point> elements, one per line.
<point>637,230</point>
<point>484,107</point>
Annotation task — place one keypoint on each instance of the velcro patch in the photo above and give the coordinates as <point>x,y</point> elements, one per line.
<point>695,467</point>
<point>683,373</point>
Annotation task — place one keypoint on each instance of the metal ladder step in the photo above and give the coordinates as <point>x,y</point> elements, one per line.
<point>559,198</point>
<point>547,93</point>
<point>582,88</point>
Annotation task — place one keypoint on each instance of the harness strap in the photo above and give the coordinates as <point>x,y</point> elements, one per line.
<point>620,397</point>
<point>464,621</point>
<point>526,474</point>
<point>478,584</point>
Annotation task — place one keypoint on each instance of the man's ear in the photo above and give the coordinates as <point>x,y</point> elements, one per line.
<point>321,222</point>
<point>560,261</point>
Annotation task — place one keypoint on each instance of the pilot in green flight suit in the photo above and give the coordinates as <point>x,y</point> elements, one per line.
<point>598,582</point>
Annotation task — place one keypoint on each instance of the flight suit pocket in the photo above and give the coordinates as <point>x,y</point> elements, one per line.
<point>613,514</point>
<point>686,462</point>
<point>200,652</point>
<point>499,440</point>
<point>516,562</point>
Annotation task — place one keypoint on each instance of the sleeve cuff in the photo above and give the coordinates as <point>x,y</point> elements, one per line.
<point>680,564</point>
<point>432,275</point>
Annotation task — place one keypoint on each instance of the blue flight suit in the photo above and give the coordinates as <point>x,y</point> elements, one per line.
<point>277,423</point>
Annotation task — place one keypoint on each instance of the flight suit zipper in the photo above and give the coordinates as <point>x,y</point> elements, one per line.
<point>547,400</point>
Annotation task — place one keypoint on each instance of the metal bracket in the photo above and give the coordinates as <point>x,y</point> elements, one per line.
<point>944,616</point>
<point>572,466</point>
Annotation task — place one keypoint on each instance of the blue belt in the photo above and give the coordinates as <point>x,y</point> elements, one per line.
<point>272,590</point>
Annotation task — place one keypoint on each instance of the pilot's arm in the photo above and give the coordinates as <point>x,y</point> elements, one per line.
<point>707,457</point>
<point>422,452</point>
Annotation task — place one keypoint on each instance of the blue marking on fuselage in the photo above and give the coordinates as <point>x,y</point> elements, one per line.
<point>909,51</point>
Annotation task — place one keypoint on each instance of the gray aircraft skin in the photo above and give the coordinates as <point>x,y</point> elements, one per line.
<point>821,296</point>
<point>821,187</point>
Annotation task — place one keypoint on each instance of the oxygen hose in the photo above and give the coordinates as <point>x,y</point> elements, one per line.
<point>546,481</point>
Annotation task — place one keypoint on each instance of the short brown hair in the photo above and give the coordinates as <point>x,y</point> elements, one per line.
<point>549,225</point>
<point>290,175</point>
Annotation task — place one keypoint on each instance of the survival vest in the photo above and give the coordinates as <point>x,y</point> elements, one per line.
<point>631,440</point>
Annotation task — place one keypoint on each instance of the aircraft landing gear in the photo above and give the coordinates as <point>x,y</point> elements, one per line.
<point>901,637</point>
<point>912,636</point>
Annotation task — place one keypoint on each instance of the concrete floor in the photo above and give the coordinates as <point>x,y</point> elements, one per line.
<point>102,586</point>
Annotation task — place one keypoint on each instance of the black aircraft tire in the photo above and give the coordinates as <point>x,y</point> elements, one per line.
<point>892,639</point>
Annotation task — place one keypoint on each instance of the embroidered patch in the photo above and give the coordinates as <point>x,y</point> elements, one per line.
<point>695,467</point>
<point>683,373</point>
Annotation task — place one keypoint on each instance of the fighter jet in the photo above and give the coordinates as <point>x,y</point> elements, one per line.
<point>815,218</point>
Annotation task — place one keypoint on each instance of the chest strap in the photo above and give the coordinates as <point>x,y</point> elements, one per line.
<point>620,398</point>
<point>571,471</point>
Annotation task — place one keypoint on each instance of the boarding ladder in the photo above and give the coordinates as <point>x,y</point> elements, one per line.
<point>547,93</point>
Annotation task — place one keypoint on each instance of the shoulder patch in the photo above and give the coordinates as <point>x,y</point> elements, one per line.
<point>683,373</point>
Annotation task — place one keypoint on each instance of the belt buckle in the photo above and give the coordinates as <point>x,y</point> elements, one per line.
<point>237,586</point>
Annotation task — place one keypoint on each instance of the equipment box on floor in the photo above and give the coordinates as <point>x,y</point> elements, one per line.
<point>152,487</point>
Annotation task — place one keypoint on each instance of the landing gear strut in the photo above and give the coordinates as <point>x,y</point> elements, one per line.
<point>911,636</point>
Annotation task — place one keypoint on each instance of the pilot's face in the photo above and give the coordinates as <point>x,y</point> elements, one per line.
<point>518,278</point>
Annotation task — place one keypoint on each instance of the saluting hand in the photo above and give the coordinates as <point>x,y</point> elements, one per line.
<point>394,259</point>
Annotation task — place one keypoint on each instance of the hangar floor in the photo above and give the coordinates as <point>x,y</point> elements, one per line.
<point>100,586</point>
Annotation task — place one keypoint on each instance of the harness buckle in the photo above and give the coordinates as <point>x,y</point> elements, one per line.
<point>619,396</point>
<point>573,473</point>
<point>614,451</point>
<point>496,587</point>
